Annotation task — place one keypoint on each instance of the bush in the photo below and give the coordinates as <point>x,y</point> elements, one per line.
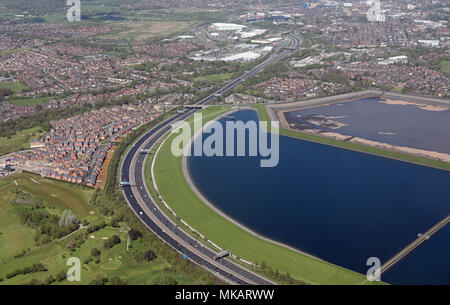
<point>87,260</point>
<point>115,223</point>
<point>114,240</point>
<point>13,274</point>
<point>134,234</point>
<point>49,280</point>
<point>94,228</point>
<point>95,252</point>
<point>99,280</point>
<point>30,269</point>
<point>61,276</point>
<point>149,255</point>
<point>35,282</point>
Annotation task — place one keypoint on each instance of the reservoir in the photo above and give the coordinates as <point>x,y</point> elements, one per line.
<point>339,205</point>
<point>410,125</point>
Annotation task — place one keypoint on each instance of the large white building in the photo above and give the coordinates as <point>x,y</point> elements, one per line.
<point>402,59</point>
<point>227,26</point>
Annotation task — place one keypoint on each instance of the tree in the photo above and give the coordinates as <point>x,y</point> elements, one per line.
<point>149,255</point>
<point>61,276</point>
<point>114,240</point>
<point>49,280</point>
<point>99,279</point>
<point>95,252</point>
<point>115,223</point>
<point>134,234</point>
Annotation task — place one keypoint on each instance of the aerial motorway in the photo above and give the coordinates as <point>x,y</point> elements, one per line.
<point>135,190</point>
<point>293,43</point>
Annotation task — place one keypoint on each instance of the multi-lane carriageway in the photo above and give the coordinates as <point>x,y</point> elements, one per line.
<point>140,200</point>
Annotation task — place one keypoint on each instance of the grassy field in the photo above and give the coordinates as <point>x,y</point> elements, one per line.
<point>214,78</point>
<point>29,101</point>
<point>354,146</point>
<point>57,197</point>
<point>18,249</point>
<point>445,66</point>
<point>143,30</point>
<point>6,52</point>
<point>16,236</point>
<point>113,262</point>
<point>21,140</point>
<point>16,87</point>
<point>177,193</point>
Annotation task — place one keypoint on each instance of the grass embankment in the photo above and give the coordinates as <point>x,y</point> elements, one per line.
<point>178,194</point>
<point>19,141</point>
<point>355,146</point>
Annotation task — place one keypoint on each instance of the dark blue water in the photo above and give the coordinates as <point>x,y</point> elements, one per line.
<point>428,264</point>
<point>339,205</point>
<point>411,126</point>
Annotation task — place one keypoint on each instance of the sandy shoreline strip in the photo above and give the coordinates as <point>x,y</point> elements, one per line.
<point>434,155</point>
<point>278,111</point>
<point>423,106</point>
<point>404,149</point>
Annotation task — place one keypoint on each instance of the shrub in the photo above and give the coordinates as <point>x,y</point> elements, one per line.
<point>149,255</point>
<point>49,280</point>
<point>114,240</point>
<point>95,252</point>
<point>61,276</point>
<point>134,234</point>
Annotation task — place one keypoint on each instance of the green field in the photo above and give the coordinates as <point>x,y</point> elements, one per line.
<point>18,248</point>
<point>445,66</point>
<point>16,87</point>
<point>29,101</point>
<point>214,78</point>
<point>180,197</point>
<point>113,262</point>
<point>6,52</point>
<point>354,146</point>
<point>144,30</point>
<point>21,140</point>
<point>57,196</point>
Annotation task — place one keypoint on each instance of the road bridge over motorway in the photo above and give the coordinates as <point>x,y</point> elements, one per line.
<point>144,206</point>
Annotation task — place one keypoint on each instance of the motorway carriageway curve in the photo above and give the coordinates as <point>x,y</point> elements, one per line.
<point>150,214</point>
